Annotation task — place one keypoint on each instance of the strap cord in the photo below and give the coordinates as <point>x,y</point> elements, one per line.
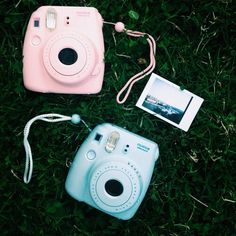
<point>119,27</point>
<point>52,118</point>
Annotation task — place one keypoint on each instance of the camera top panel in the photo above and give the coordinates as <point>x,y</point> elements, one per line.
<point>51,17</point>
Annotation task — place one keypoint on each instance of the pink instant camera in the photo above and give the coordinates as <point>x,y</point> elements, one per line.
<point>64,50</point>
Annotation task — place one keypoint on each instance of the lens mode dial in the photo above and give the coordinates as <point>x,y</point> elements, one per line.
<point>115,186</point>
<point>69,57</point>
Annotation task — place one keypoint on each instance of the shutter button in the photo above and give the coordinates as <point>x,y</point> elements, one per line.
<point>91,154</point>
<point>36,40</point>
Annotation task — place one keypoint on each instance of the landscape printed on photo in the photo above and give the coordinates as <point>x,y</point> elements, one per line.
<point>167,101</point>
<point>163,109</point>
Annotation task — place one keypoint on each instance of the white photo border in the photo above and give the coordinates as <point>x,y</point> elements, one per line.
<point>189,114</point>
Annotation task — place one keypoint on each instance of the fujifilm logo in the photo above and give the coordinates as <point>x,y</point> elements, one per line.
<point>143,147</point>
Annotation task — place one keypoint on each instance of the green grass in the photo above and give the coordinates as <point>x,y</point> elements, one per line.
<point>192,191</point>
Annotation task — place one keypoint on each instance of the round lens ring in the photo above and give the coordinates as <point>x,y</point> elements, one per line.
<point>114,187</point>
<point>68,56</point>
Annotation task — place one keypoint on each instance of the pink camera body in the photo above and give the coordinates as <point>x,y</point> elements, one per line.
<point>64,50</point>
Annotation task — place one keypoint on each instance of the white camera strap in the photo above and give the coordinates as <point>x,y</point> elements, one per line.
<point>52,118</point>
<point>119,27</point>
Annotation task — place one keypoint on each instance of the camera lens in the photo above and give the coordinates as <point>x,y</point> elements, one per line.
<point>114,187</point>
<point>68,56</point>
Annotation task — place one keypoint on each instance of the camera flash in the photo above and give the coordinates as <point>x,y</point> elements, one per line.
<point>112,141</point>
<point>51,19</point>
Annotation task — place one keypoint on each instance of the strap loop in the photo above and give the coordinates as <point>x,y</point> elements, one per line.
<point>119,27</point>
<point>52,118</point>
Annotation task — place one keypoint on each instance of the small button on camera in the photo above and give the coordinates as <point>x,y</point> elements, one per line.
<point>91,154</point>
<point>36,40</point>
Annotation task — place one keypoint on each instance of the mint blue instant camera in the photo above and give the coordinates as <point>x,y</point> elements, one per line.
<point>112,170</point>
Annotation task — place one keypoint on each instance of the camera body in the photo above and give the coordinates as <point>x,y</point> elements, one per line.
<point>64,50</point>
<point>112,170</point>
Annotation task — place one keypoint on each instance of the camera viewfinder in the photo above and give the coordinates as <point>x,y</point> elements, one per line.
<point>36,22</point>
<point>98,137</point>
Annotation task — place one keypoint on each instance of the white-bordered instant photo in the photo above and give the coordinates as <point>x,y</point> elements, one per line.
<point>168,102</point>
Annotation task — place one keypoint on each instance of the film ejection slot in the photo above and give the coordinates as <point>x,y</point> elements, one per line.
<point>112,141</point>
<point>51,19</point>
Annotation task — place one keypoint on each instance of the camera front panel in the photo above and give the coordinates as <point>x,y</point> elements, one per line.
<point>112,170</point>
<point>69,57</point>
<point>64,50</point>
<point>115,186</point>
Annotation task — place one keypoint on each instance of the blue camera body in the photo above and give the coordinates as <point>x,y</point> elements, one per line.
<point>112,170</point>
